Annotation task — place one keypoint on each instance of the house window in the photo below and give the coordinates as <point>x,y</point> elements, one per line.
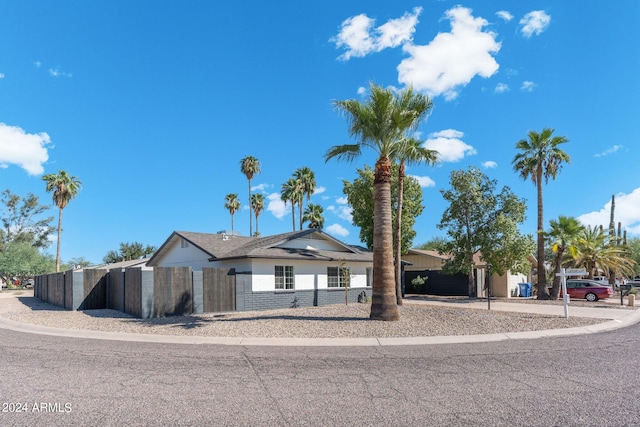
<point>369,276</point>
<point>184,243</point>
<point>337,277</point>
<point>284,277</point>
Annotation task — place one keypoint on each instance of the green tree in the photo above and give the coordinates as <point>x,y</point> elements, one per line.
<point>380,123</point>
<point>434,244</point>
<point>595,251</point>
<point>633,245</point>
<point>292,192</point>
<point>79,262</point>
<point>249,166</point>
<point>540,157</point>
<point>480,221</point>
<point>361,199</point>
<point>408,151</point>
<point>314,215</point>
<point>22,261</point>
<point>257,204</point>
<point>63,188</point>
<point>22,221</point>
<point>129,251</point>
<point>232,204</point>
<point>562,235</point>
<point>307,181</point>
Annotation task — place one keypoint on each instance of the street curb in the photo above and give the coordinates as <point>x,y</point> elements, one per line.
<point>631,318</point>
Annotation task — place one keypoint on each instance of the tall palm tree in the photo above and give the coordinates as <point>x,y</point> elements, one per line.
<point>408,151</point>
<point>563,235</point>
<point>232,204</point>
<point>250,166</point>
<point>596,251</point>
<point>380,123</point>
<point>63,187</point>
<point>292,193</point>
<point>313,214</point>
<point>308,182</point>
<point>257,204</point>
<point>540,157</point>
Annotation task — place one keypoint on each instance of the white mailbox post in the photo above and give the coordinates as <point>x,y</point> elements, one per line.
<point>563,274</point>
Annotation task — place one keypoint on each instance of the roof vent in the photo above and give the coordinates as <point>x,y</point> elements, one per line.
<point>225,237</point>
<point>311,248</point>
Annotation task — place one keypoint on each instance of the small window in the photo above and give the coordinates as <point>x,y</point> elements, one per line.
<point>337,277</point>
<point>369,276</point>
<point>284,277</point>
<point>184,243</point>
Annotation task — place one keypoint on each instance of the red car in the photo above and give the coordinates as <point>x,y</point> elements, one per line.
<point>590,290</point>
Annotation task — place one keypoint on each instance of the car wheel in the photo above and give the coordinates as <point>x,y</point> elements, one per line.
<point>591,297</point>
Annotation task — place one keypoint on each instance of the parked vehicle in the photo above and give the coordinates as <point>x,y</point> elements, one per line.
<point>591,290</point>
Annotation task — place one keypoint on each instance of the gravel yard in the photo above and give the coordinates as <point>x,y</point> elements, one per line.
<point>336,321</point>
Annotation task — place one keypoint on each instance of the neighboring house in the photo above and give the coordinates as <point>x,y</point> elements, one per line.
<point>429,263</point>
<point>307,267</point>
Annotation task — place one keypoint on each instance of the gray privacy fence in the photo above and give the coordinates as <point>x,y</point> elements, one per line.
<point>165,291</point>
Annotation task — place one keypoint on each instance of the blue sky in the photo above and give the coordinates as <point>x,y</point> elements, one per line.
<point>153,104</point>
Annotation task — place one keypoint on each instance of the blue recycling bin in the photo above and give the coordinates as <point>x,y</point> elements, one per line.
<point>525,289</point>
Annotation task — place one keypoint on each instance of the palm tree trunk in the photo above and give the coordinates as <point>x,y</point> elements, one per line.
<point>555,290</point>
<point>300,212</point>
<point>257,233</point>
<point>398,235</point>
<point>58,246</point>
<point>293,215</point>
<point>232,232</point>
<point>383,299</point>
<point>250,212</point>
<point>543,293</point>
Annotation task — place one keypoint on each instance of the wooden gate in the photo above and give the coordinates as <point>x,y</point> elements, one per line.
<point>218,290</point>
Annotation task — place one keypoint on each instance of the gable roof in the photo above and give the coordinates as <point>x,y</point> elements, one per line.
<point>444,257</point>
<point>227,247</point>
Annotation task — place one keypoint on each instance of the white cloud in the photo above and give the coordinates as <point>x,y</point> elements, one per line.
<point>424,181</point>
<point>344,212</point>
<point>627,212</point>
<point>337,230</point>
<point>534,22</point>
<point>359,38</point>
<point>451,60</point>
<point>260,187</point>
<point>501,88</point>
<point>449,145</point>
<point>342,200</point>
<point>319,190</point>
<point>506,16</point>
<point>1,75</point>
<point>527,86</point>
<point>489,164</point>
<point>26,150</point>
<point>609,150</point>
<point>362,91</point>
<point>54,72</point>
<point>276,206</point>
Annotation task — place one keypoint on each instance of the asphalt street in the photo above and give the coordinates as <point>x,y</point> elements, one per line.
<point>582,380</point>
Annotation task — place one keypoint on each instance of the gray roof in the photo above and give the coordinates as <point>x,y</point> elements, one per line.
<point>227,247</point>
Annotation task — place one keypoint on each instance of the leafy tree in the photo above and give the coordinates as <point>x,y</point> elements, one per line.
<point>249,166</point>
<point>22,261</point>
<point>128,252</point>
<point>540,157</point>
<point>360,196</point>
<point>595,251</point>
<point>22,221</point>
<point>408,151</point>
<point>380,123</point>
<point>480,221</point>
<point>292,192</point>
<point>633,245</point>
<point>79,262</point>
<point>313,214</point>
<point>232,204</point>
<point>257,204</point>
<point>63,188</point>
<point>562,236</point>
<point>435,244</point>
<point>307,182</point>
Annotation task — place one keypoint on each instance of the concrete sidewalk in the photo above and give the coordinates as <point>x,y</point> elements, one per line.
<point>618,318</point>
